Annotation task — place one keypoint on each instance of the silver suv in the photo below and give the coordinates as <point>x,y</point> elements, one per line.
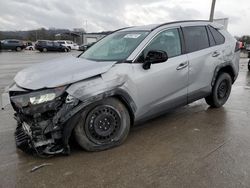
<point>129,76</point>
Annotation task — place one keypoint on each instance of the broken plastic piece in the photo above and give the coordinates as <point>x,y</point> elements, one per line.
<point>40,166</point>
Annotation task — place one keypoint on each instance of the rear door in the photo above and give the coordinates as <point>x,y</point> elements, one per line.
<point>50,46</point>
<point>202,60</point>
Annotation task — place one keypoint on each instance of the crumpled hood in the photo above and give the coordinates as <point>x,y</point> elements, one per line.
<point>60,72</point>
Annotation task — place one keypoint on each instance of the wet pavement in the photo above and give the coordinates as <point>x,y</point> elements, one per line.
<point>193,146</point>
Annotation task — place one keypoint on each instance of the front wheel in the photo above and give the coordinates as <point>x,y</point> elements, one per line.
<point>249,65</point>
<point>221,91</point>
<point>103,125</point>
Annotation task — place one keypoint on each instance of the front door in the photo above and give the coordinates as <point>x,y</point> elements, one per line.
<point>164,85</point>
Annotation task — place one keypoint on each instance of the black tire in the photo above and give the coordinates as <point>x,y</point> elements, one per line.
<point>18,48</point>
<point>45,49</point>
<point>103,125</point>
<point>248,65</point>
<point>220,91</point>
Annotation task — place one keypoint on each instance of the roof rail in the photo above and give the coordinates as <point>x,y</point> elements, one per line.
<point>175,22</point>
<point>120,29</point>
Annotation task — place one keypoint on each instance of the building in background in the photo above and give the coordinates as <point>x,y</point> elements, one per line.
<point>222,21</point>
<point>89,38</point>
<point>80,37</point>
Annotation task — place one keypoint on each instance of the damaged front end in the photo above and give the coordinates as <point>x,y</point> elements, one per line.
<point>41,119</point>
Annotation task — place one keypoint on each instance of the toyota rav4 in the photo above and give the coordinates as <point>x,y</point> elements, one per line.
<point>129,76</point>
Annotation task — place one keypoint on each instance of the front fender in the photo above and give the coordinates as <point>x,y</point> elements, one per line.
<point>88,93</point>
<point>95,89</point>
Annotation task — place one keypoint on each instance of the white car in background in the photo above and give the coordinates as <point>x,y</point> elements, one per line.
<point>31,47</point>
<point>70,44</point>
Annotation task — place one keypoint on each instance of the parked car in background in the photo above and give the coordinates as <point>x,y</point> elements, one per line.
<point>29,46</point>
<point>46,45</point>
<point>247,47</point>
<point>70,44</point>
<point>84,47</point>
<point>131,75</point>
<point>12,44</point>
<point>75,46</point>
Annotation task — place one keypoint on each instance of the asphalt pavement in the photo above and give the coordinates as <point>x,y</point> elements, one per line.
<point>193,146</point>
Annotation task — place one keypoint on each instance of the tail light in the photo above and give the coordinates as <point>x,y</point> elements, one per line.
<point>237,46</point>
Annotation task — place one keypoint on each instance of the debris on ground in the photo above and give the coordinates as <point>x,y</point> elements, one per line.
<point>40,166</point>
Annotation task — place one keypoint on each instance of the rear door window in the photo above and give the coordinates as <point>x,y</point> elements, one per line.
<point>218,37</point>
<point>196,38</point>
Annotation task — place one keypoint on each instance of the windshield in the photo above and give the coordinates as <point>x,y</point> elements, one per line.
<point>115,47</point>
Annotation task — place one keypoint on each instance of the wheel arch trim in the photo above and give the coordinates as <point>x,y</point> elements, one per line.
<point>224,67</point>
<point>70,120</point>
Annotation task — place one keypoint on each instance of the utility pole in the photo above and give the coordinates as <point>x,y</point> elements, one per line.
<point>212,11</point>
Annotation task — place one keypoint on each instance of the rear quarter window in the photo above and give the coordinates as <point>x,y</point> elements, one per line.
<point>218,37</point>
<point>211,38</point>
<point>196,38</point>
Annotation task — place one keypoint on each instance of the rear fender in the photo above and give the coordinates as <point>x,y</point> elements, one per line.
<point>231,70</point>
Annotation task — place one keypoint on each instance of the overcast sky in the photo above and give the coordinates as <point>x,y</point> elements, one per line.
<point>113,14</point>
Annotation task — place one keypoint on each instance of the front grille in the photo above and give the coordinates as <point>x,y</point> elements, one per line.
<point>23,141</point>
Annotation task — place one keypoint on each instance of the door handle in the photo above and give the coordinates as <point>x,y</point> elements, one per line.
<point>215,54</point>
<point>182,66</point>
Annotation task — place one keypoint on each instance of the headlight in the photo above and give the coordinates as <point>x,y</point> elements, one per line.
<point>37,97</point>
<point>42,98</point>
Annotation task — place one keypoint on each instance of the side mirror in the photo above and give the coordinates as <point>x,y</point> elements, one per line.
<point>154,56</point>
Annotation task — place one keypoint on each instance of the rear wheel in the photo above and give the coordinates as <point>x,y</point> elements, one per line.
<point>18,49</point>
<point>249,65</point>
<point>221,91</point>
<point>103,125</point>
<point>45,49</point>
